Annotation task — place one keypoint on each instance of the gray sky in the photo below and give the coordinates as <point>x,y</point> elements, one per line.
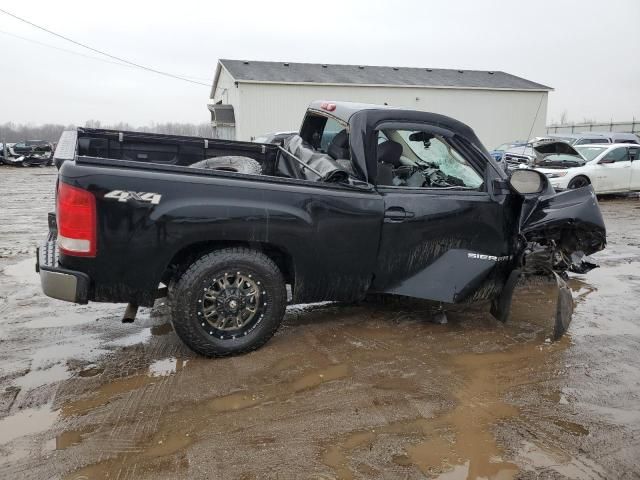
<point>588,51</point>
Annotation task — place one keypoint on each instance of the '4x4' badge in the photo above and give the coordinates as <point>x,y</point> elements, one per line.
<point>124,196</point>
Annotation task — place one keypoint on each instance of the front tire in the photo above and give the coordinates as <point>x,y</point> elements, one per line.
<point>578,182</point>
<point>228,302</point>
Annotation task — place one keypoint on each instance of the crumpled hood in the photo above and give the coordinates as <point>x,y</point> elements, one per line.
<point>572,219</point>
<point>544,148</point>
<point>538,151</point>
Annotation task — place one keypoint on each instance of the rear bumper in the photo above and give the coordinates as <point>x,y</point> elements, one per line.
<point>58,282</point>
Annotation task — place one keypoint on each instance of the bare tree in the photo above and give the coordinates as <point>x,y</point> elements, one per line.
<point>13,132</point>
<point>564,118</point>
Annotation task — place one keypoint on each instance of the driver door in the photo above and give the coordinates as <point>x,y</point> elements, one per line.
<point>441,243</point>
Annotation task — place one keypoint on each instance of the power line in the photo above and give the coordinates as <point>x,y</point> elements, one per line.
<point>120,59</point>
<point>65,50</point>
<point>73,52</point>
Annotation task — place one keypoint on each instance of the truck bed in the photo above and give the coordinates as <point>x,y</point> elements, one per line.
<point>139,241</point>
<point>157,149</point>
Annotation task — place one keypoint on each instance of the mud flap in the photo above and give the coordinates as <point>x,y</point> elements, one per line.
<point>564,308</point>
<point>501,306</point>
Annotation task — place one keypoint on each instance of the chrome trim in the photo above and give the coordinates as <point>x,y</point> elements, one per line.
<point>62,286</point>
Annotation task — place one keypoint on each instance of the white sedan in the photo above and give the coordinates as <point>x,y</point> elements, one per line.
<point>610,168</point>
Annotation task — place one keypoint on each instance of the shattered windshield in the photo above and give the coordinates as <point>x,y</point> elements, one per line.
<point>590,152</point>
<point>437,158</point>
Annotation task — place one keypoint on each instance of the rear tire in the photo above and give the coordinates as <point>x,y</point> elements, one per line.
<point>228,302</point>
<point>578,182</point>
<point>231,163</point>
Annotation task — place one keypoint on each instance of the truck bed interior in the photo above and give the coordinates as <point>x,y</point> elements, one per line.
<point>168,149</point>
<point>184,151</point>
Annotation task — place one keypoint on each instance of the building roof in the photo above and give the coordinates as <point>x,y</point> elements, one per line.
<point>249,71</point>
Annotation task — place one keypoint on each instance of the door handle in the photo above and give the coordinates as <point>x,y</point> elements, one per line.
<point>397,214</point>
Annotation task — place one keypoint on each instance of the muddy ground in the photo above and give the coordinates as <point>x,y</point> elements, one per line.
<point>371,391</point>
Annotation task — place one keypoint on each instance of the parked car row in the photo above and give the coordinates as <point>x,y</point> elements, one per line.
<point>606,160</point>
<point>30,153</point>
<point>538,151</point>
<point>609,168</point>
<point>586,138</point>
<point>573,139</point>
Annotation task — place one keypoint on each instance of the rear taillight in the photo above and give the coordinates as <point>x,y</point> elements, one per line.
<point>76,218</point>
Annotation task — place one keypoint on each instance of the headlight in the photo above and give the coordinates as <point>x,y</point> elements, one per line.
<point>556,174</point>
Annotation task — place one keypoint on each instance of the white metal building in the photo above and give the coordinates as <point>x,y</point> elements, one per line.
<point>251,98</point>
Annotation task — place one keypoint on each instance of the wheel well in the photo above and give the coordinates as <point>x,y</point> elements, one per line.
<point>579,176</point>
<point>185,257</point>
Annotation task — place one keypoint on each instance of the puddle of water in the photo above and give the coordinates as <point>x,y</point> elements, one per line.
<point>37,378</point>
<point>459,443</point>
<point>571,427</point>
<point>336,457</point>
<point>105,394</point>
<point>479,407</point>
<point>313,379</point>
<point>72,437</point>
<point>235,401</point>
<point>309,380</point>
<point>177,430</point>
<point>28,421</point>
<point>609,312</point>
<point>461,472</point>
<point>90,371</point>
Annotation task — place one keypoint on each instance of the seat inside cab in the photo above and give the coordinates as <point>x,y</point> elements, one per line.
<point>322,146</point>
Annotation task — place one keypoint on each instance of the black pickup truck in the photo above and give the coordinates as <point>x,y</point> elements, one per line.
<point>366,199</point>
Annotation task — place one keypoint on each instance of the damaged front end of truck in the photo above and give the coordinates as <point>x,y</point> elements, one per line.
<point>556,234</point>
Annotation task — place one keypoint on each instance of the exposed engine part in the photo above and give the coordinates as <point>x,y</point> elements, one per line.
<point>546,259</point>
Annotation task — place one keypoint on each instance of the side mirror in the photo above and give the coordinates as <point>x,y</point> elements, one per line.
<point>525,181</point>
<point>607,160</point>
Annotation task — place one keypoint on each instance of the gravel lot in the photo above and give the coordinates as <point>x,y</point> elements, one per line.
<point>369,392</point>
